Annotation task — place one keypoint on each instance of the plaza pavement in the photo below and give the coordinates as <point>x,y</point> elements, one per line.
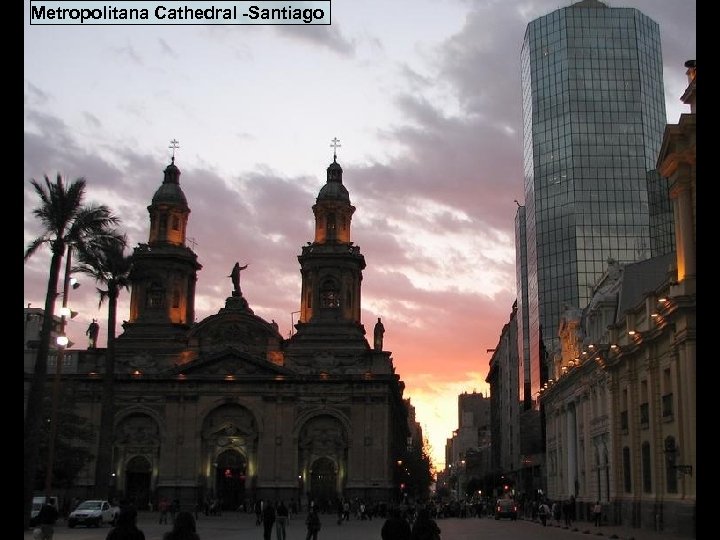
<point>241,526</point>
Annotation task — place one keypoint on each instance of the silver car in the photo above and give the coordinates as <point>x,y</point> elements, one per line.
<point>93,513</point>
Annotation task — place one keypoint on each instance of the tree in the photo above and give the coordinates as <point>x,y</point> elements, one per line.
<point>420,472</point>
<point>66,222</point>
<point>107,263</point>
<point>72,447</point>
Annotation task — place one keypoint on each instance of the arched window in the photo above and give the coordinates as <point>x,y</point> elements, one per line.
<point>176,223</point>
<point>329,295</point>
<point>331,226</point>
<point>155,296</point>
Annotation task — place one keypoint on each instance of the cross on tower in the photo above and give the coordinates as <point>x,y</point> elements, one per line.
<point>335,145</point>
<point>174,144</point>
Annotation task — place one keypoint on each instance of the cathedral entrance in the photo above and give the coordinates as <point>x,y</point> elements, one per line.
<point>137,482</point>
<point>230,479</point>
<point>323,482</point>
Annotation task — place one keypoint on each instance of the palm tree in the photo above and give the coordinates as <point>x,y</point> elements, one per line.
<point>66,222</point>
<point>107,263</point>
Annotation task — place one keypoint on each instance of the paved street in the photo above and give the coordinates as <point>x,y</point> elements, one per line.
<point>232,526</point>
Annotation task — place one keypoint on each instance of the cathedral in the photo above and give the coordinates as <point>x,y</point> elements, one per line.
<point>226,408</point>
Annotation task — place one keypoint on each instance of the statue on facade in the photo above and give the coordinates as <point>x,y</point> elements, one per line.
<point>378,335</point>
<point>235,276</point>
<point>92,333</point>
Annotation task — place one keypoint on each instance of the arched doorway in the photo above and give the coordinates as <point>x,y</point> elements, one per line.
<point>323,481</point>
<point>137,481</point>
<point>230,479</point>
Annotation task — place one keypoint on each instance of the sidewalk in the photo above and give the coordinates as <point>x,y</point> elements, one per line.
<point>618,532</point>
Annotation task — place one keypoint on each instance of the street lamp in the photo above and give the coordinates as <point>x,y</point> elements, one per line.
<point>62,342</point>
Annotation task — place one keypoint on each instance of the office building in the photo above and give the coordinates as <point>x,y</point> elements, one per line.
<point>594,115</point>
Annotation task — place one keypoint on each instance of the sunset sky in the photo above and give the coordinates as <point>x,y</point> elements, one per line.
<point>425,98</point>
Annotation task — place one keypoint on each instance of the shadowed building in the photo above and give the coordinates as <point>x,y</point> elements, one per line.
<point>226,408</point>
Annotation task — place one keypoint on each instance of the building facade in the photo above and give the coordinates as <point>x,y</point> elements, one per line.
<point>594,114</point>
<point>472,438</point>
<point>225,408</point>
<point>621,407</point>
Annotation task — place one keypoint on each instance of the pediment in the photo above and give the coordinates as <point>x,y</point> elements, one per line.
<point>231,361</point>
<point>240,330</point>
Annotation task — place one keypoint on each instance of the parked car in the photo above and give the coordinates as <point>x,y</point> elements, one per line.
<point>37,503</point>
<point>506,508</point>
<point>93,513</point>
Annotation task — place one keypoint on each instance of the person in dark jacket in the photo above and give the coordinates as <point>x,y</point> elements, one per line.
<point>268,517</point>
<point>183,528</point>
<point>425,528</point>
<point>395,527</point>
<point>126,526</point>
<point>312,522</point>
<point>46,519</point>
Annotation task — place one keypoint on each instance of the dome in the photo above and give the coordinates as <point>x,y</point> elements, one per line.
<point>169,192</point>
<point>335,191</point>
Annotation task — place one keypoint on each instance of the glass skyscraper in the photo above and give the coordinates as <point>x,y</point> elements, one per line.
<point>594,115</point>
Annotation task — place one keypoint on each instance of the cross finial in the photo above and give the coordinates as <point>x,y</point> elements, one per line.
<point>174,144</point>
<point>335,145</point>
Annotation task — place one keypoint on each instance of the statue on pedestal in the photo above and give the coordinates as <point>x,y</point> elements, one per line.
<point>235,276</point>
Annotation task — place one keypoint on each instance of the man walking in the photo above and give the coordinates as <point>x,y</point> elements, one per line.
<point>268,517</point>
<point>46,518</point>
<point>282,519</point>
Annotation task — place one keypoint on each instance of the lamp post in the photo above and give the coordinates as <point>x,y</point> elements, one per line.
<point>62,342</point>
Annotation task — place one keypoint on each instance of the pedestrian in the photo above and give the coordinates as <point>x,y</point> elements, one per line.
<point>556,512</point>
<point>425,528</point>
<point>258,511</point>
<point>312,522</point>
<point>568,509</point>
<point>339,512</point>
<point>346,510</point>
<point>395,526</point>
<point>164,508</point>
<point>282,519</point>
<point>544,513</point>
<point>597,513</point>
<point>126,526</point>
<point>174,508</point>
<point>46,519</point>
<point>183,528</point>
<point>268,519</point>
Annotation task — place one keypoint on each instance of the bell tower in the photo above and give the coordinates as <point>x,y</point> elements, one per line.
<point>165,269</point>
<point>331,268</point>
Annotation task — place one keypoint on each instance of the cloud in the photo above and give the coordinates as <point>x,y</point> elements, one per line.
<point>329,37</point>
<point>129,52</point>
<point>434,221</point>
<point>167,49</point>
<point>34,96</point>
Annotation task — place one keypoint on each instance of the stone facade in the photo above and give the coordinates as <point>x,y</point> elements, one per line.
<point>226,408</point>
<point>622,407</point>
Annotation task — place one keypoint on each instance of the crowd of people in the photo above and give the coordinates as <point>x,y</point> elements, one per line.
<point>404,521</point>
